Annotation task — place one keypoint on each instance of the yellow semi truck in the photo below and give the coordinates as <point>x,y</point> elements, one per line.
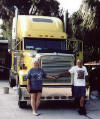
<point>42,38</point>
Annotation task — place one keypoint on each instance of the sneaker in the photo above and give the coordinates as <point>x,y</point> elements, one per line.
<point>80,111</point>
<point>35,114</point>
<point>84,111</point>
<point>76,102</point>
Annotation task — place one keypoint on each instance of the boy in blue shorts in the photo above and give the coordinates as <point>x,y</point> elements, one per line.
<point>80,76</point>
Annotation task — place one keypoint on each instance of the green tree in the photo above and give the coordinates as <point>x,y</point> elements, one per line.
<point>45,7</point>
<point>85,25</point>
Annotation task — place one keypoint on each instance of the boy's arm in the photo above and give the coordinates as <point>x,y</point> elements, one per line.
<point>66,73</point>
<point>50,77</point>
<point>87,79</point>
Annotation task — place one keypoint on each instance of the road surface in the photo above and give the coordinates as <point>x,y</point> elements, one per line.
<point>48,110</point>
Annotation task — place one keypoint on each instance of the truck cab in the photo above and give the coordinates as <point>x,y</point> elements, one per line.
<point>42,38</point>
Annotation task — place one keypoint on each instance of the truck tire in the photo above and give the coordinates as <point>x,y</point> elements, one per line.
<point>19,94</point>
<point>12,82</point>
<point>22,104</point>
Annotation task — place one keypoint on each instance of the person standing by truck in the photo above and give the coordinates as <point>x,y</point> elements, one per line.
<point>34,85</point>
<point>80,74</point>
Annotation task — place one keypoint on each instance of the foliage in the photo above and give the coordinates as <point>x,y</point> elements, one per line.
<point>7,30</point>
<point>85,25</point>
<point>45,7</point>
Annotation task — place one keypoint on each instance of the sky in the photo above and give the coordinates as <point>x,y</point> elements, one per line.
<point>70,5</point>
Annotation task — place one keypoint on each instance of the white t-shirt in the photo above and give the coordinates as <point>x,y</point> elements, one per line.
<point>79,75</point>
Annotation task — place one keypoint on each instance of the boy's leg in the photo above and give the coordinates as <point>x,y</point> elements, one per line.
<point>82,100</point>
<point>76,95</point>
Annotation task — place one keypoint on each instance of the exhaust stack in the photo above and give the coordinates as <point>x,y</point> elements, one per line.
<point>16,19</point>
<point>65,19</point>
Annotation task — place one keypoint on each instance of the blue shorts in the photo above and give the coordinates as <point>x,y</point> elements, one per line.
<point>79,91</point>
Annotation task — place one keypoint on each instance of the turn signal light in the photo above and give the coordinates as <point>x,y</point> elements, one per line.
<point>70,97</point>
<point>42,97</point>
<point>63,97</point>
<point>49,97</point>
<point>56,97</point>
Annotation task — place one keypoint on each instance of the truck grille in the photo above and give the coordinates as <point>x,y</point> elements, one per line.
<point>54,65</point>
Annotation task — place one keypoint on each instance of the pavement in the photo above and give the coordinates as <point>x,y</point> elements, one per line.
<point>48,110</point>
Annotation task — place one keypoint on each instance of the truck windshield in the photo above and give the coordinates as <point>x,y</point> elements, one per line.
<point>43,44</point>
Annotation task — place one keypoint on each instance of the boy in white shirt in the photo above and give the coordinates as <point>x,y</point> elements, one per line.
<point>80,76</point>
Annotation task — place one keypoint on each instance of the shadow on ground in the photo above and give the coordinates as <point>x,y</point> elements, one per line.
<point>47,105</point>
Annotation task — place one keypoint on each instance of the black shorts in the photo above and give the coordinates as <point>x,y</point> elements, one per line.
<point>35,91</point>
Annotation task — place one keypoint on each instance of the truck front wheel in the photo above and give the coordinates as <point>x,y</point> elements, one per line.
<point>22,104</point>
